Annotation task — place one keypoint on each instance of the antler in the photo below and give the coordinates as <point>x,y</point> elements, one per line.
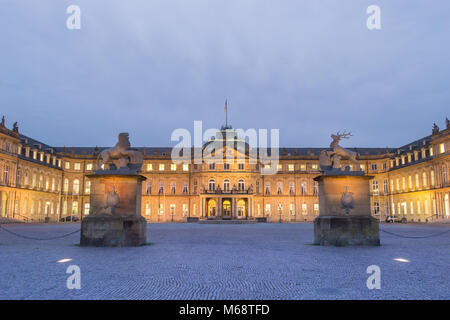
<point>344,135</point>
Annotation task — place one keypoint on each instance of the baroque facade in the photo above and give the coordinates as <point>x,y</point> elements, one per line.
<point>39,182</point>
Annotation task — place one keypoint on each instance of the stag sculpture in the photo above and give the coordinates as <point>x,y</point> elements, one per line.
<point>332,157</point>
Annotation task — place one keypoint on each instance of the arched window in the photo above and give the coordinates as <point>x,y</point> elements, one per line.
<point>76,186</point>
<point>241,185</point>
<point>279,188</point>
<point>75,208</point>
<point>211,185</point>
<point>226,185</point>
<point>66,185</point>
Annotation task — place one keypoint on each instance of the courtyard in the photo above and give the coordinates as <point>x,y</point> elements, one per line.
<point>247,261</point>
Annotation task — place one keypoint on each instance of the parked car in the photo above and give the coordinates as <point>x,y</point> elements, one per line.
<point>392,219</point>
<point>69,218</point>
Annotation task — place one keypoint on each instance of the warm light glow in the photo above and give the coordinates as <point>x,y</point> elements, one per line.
<point>64,260</point>
<point>401,260</point>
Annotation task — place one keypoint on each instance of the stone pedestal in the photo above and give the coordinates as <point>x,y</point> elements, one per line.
<point>118,225</point>
<point>344,210</point>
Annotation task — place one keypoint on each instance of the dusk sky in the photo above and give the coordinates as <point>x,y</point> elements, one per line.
<point>146,67</point>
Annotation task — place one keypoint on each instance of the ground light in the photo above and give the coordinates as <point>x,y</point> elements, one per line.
<point>401,260</point>
<point>64,260</point>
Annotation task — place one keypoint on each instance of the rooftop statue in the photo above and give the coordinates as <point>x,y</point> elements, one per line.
<point>122,154</point>
<point>331,159</point>
<point>435,129</point>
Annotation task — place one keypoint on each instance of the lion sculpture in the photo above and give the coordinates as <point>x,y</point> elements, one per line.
<point>121,152</point>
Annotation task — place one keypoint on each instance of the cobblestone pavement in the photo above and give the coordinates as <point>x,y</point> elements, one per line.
<point>257,261</point>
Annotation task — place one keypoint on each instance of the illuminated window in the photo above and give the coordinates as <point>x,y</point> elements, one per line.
<point>417,181</point>
<point>291,167</point>
<point>86,208</point>
<point>66,185</point>
<point>173,167</point>
<point>279,167</point>
<point>185,210</point>
<point>149,167</point>
<point>77,166</point>
<point>304,209</point>
<point>410,182</point>
<point>403,183</point>
<point>67,165</point>
<point>76,186</point>
<point>432,178</point>
<point>172,209</point>
<point>185,167</point>
<point>316,208</point>
<point>41,157</point>
<point>267,209</point>
<point>161,208</point>
<point>89,166</point>
<point>431,151</point>
<point>161,167</point>
<point>442,148</point>
<point>314,167</point>
<point>303,167</point>
<point>424,179</point>
<point>385,186</point>
<point>75,208</point>
<point>291,209</point>
<point>35,155</point>
<point>88,187</point>
<point>147,209</point>
<point>375,187</point>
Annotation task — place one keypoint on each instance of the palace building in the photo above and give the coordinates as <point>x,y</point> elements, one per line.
<point>39,182</point>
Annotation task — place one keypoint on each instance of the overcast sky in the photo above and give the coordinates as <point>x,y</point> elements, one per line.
<point>147,67</point>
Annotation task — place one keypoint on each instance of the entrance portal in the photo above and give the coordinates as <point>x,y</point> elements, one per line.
<point>241,208</point>
<point>212,208</point>
<point>226,208</point>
